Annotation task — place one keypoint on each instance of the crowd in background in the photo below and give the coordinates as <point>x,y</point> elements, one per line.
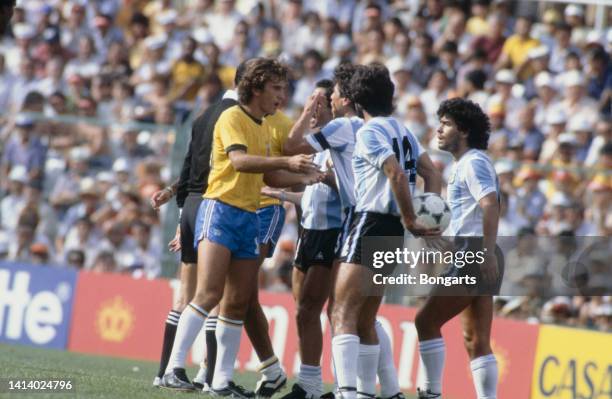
<point>113,78</point>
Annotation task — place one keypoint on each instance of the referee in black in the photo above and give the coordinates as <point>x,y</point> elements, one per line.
<point>189,188</point>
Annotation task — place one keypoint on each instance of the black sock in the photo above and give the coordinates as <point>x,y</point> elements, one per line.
<point>211,348</point>
<point>169,334</point>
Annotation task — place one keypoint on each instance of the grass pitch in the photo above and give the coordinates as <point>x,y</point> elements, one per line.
<point>93,376</point>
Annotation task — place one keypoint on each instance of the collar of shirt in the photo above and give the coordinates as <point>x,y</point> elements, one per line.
<point>231,94</point>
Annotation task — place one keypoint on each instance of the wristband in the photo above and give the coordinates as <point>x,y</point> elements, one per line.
<point>283,197</point>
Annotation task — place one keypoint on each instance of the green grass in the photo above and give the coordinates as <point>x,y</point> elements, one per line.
<point>92,376</point>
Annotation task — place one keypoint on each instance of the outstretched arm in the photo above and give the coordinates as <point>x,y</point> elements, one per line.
<point>243,162</point>
<point>282,178</point>
<point>294,198</point>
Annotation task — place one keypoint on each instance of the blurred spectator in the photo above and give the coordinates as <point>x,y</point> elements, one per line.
<point>186,73</point>
<point>14,198</point>
<point>25,148</point>
<point>562,47</point>
<point>87,62</point>
<point>516,48</point>
<point>425,61</point>
<point>492,39</point>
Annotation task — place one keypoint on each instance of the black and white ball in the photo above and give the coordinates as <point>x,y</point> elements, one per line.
<point>431,211</point>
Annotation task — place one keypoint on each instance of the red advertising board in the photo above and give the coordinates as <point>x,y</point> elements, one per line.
<point>116,315</point>
<point>514,344</point>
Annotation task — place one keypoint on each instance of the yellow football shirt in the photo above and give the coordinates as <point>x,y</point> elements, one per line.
<point>280,126</point>
<point>182,74</point>
<point>236,129</point>
<point>517,48</point>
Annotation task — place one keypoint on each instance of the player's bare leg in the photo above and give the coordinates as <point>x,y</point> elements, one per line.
<point>429,321</point>
<point>476,322</point>
<point>310,291</point>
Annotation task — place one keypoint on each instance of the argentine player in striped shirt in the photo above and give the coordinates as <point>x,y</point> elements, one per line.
<point>473,196</point>
<point>386,160</point>
<point>337,137</point>
<point>323,206</point>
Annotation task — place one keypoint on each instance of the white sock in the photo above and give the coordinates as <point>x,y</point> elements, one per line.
<point>228,342</point>
<point>484,372</point>
<point>367,365</point>
<point>190,323</point>
<point>345,349</point>
<point>310,380</point>
<point>432,353</point>
<point>201,376</point>
<point>387,373</point>
<point>270,368</point>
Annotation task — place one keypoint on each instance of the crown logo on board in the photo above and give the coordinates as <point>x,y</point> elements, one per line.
<point>115,320</point>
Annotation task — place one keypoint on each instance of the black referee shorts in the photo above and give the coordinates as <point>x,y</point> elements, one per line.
<point>189,254</point>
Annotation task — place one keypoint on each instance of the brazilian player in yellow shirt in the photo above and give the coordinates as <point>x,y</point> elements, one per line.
<point>227,223</point>
<point>271,215</point>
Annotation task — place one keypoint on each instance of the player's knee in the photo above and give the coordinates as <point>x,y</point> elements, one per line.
<point>308,312</point>
<point>311,305</point>
<point>207,300</point>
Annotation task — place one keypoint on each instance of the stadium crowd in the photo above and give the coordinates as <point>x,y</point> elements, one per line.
<point>114,78</point>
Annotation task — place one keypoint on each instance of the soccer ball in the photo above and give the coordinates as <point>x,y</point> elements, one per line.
<point>431,211</point>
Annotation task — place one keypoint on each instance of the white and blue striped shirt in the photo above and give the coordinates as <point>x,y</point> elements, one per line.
<point>338,136</point>
<point>377,140</point>
<point>320,204</point>
<point>472,177</point>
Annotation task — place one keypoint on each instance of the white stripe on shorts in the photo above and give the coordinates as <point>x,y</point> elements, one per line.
<point>355,237</point>
<point>273,223</point>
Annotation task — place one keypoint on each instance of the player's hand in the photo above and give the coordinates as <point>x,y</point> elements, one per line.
<point>312,104</point>
<point>489,269</point>
<point>160,197</point>
<point>313,178</point>
<point>175,244</point>
<point>330,178</point>
<point>302,164</point>
<point>420,230</point>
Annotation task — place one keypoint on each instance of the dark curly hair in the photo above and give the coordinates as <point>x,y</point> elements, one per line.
<point>342,77</point>
<point>259,71</point>
<point>371,89</point>
<point>328,85</point>
<point>469,118</point>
